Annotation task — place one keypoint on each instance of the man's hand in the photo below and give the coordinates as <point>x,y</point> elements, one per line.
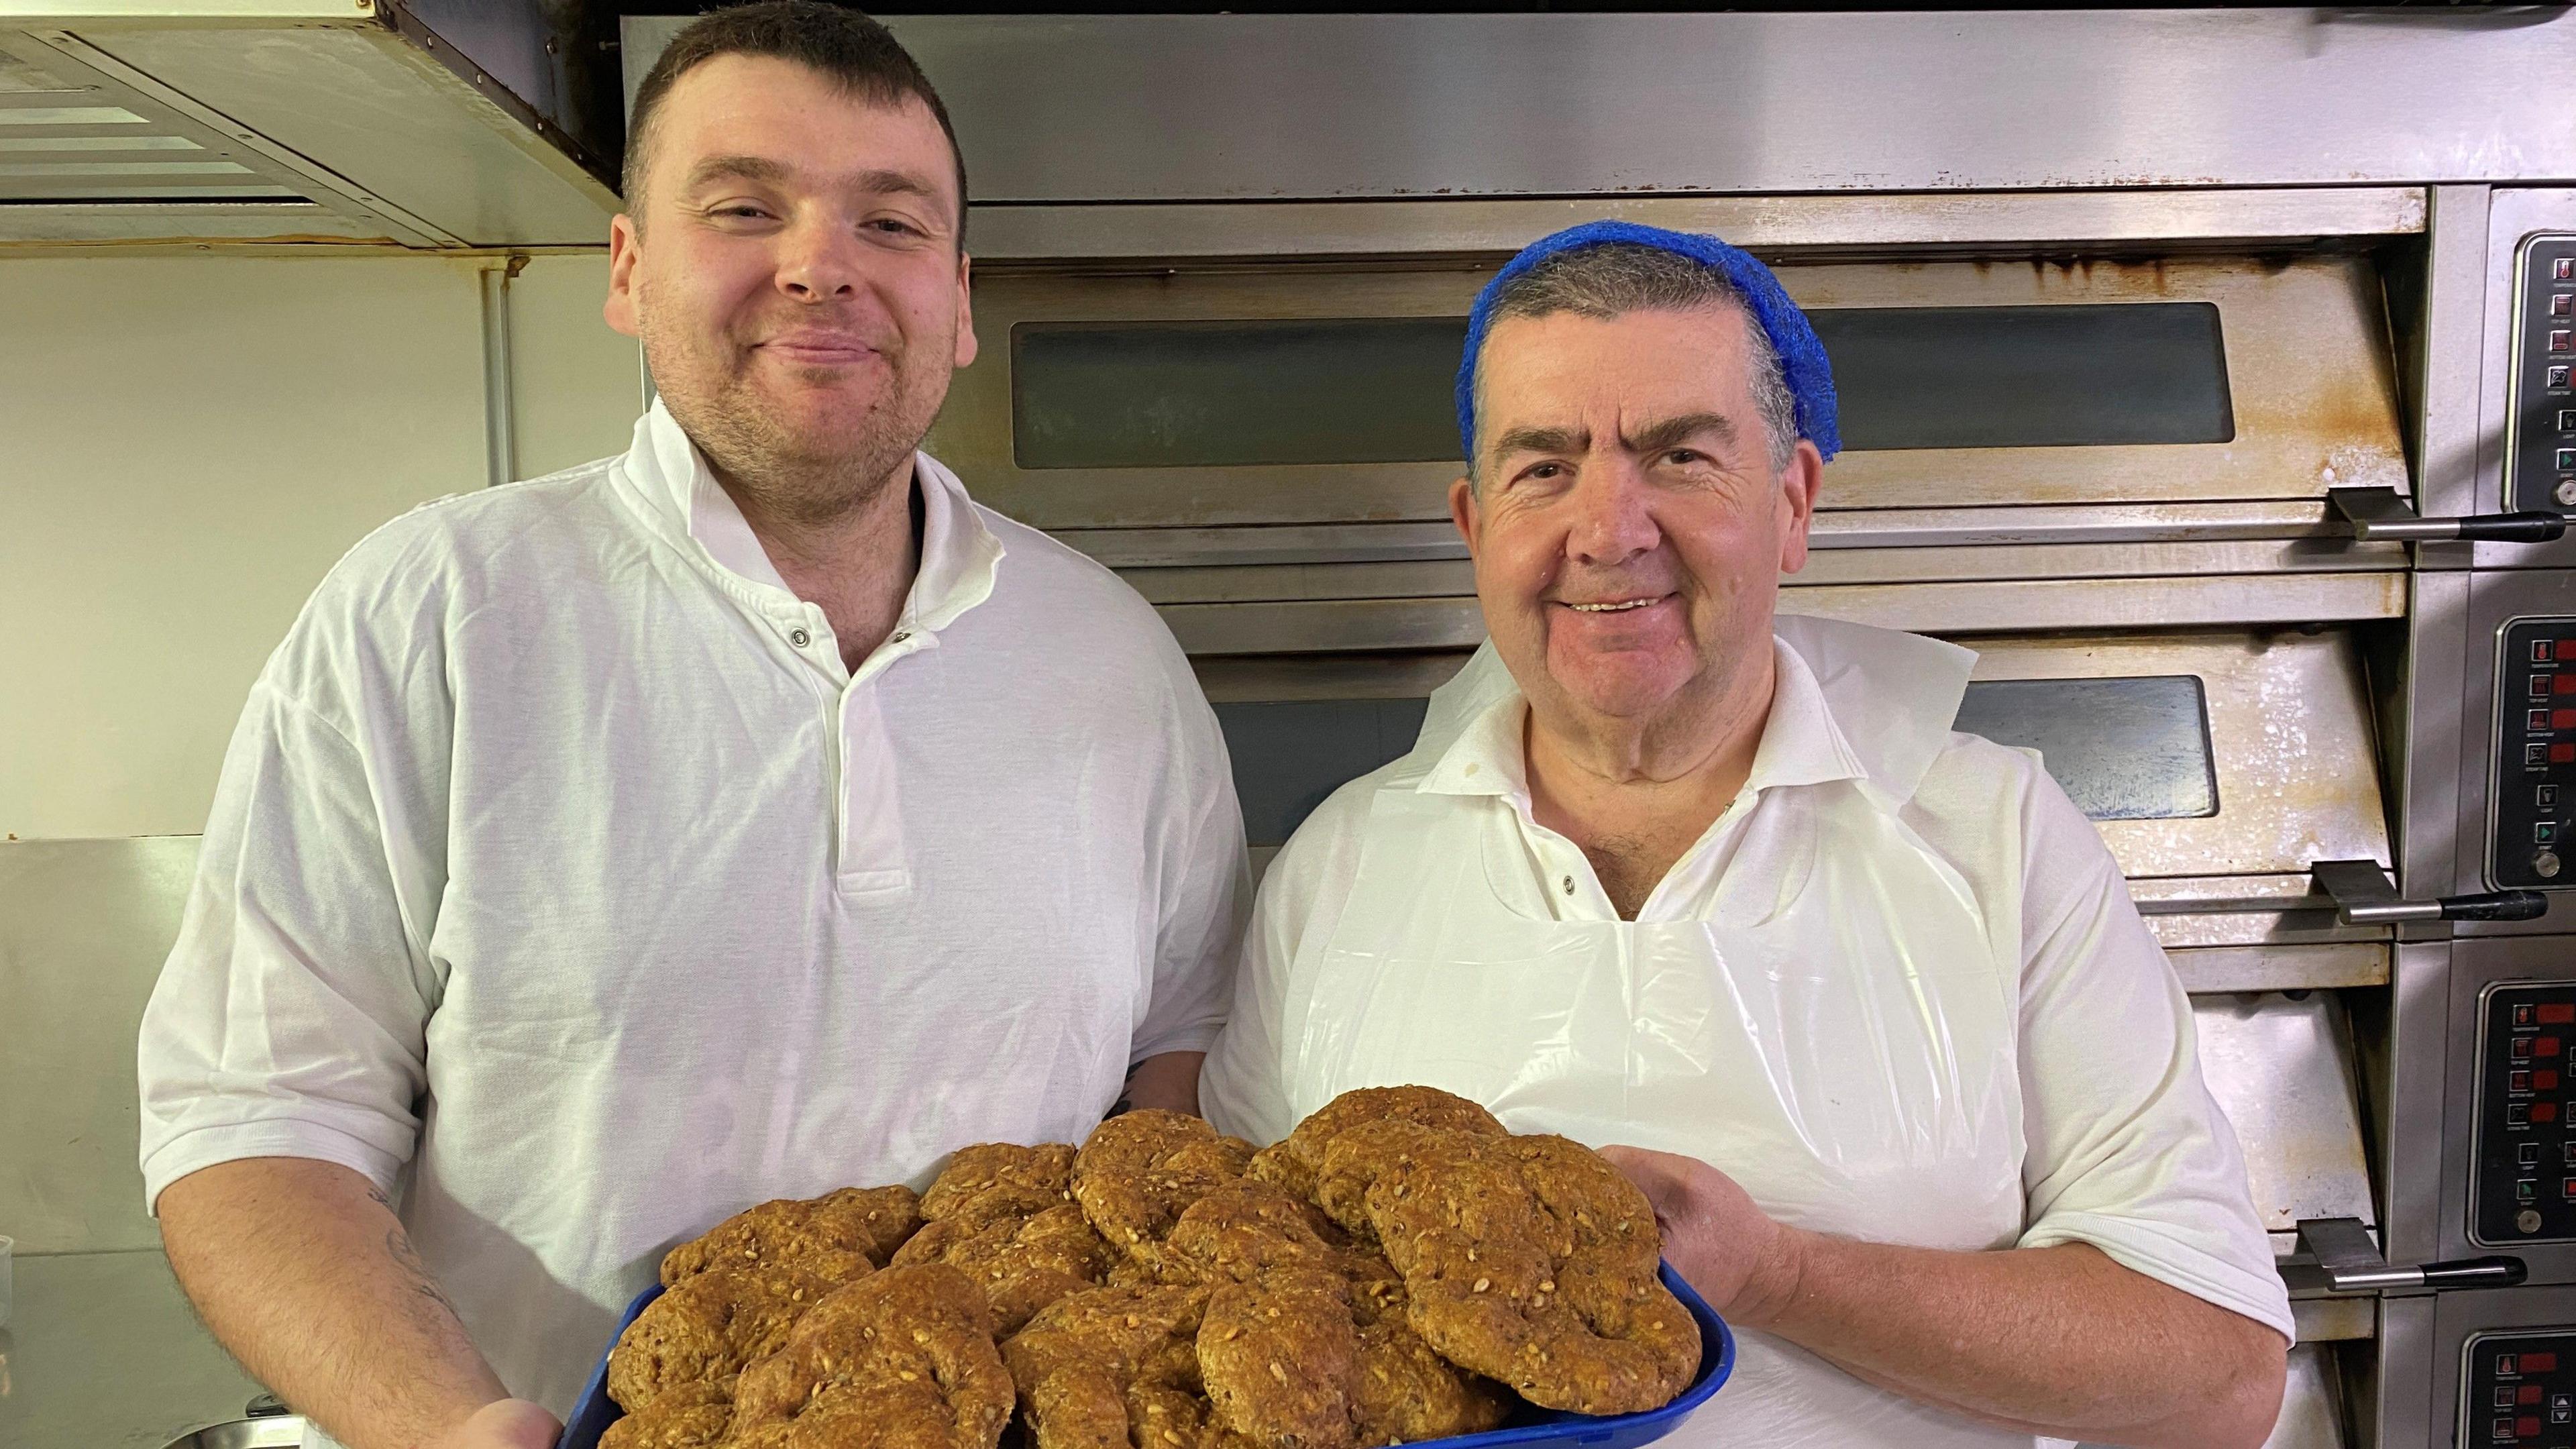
<point>2058,1341</point>
<point>1730,1250</point>
<point>505,1424</point>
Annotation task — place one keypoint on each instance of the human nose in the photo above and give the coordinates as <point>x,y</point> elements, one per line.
<point>1612,521</point>
<point>817,262</point>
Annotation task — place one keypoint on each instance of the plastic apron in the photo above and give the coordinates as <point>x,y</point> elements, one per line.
<point>1837,1035</point>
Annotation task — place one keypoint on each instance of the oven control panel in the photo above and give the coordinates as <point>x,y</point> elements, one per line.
<point>2534,790</point>
<point>2540,450</point>
<point>2521,1389</point>
<point>2523,1182</point>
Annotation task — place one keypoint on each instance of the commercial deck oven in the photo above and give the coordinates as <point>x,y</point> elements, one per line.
<point>2207,372</point>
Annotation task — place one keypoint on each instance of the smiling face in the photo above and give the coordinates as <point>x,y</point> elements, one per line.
<point>1627,527</point>
<point>794,271</point>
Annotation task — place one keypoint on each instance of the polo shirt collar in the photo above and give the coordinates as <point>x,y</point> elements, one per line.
<point>677,489</point>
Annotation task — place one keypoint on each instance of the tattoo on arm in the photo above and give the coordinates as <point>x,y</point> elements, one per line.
<point>407,1258</point>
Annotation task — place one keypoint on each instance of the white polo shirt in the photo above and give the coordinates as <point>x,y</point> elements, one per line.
<point>1897,990</point>
<point>561,876</point>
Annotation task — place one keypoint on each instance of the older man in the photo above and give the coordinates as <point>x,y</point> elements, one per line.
<point>1915,1092</point>
<point>742,816</point>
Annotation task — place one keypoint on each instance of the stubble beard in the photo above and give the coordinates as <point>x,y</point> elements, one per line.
<point>808,476</point>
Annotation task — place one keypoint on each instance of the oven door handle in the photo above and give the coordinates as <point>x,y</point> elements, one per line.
<point>2379,513</point>
<point>2364,896</point>
<point>2352,1263</point>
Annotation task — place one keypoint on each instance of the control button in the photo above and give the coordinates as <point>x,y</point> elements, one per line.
<point>2567,420</point>
<point>2522,1049</point>
<point>2504,1396</point>
<point>2562,341</point>
<point>2526,1190</point>
<point>2502,1433</point>
<point>2544,1080</point>
<point>2518,1082</point>
<point>2562,268</point>
<point>2566,460</point>
<point>2562,1413</point>
<point>2535,755</point>
<point>2528,1153</point>
<point>2544,1111</point>
<point>2544,795</point>
<point>2527,1221</point>
<point>2540,651</point>
<point>2517,1114</point>
<point>2540,1363</point>
<point>2558,377</point>
<point>2568,1152</point>
<point>2544,832</point>
<point>2536,721</point>
<point>2559,303</point>
<point>2522,1009</point>
<point>2544,864</point>
<point>2540,686</point>
<point>2508,1367</point>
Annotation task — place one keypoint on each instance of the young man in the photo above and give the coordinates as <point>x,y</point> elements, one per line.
<point>742,817</point>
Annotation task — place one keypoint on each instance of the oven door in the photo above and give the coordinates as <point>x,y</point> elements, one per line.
<point>2228,392</point>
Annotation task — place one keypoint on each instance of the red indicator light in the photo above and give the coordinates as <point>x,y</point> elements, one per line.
<point>2542,1112</point>
<point>2562,754</point>
<point>2562,719</point>
<point>2546,1046</point>
<point>2526,1426</point>
<point>2540,1363</point>
<point>2528,1393</point>
<point>2557,1013</point>
<point>2567,648</point>
<point>2562,684</point>
<point>2544,1080</point>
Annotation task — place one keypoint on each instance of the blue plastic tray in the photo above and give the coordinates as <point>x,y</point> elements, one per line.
<point>595,1410</point>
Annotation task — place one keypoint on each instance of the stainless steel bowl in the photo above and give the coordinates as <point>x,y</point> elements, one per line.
<point>275,1431</point>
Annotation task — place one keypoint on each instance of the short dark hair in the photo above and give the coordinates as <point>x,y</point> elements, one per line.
<point>844,44</point>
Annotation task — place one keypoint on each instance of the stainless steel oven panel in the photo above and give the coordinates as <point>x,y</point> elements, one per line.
<point>2308,370</point>
<point>2514,217</point>
<point>2478,968</point>
<point>1921,223</point>
<point>1454,578</point>
<point>2497,598</point>
<point>1379,625</point>
<point>2464,1321</point>
<point>1260,107</point>
<point>2282,1067</point>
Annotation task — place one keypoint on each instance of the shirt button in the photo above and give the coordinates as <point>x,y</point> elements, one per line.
<point>1569,885</point>
<point>902,634</point>
<point>799,638</point>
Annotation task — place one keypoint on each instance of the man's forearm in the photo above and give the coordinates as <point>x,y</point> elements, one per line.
<point>305,1275</point>
<point>2058,1341</point>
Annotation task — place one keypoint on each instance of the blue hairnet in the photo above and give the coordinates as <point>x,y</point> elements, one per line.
<point>1802,358</point>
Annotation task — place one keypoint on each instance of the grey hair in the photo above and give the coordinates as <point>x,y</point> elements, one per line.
<point>1617,278</point>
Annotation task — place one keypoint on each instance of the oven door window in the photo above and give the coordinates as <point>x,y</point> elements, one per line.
<point>2123,749</point>
<point>1289,754</point>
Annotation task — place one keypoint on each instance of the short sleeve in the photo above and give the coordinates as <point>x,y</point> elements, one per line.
<point>1204,885</point>
<point>290,1018</point>
<point>2127,1150</point>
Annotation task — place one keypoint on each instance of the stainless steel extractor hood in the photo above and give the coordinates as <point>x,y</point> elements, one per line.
<point>421,123</point>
